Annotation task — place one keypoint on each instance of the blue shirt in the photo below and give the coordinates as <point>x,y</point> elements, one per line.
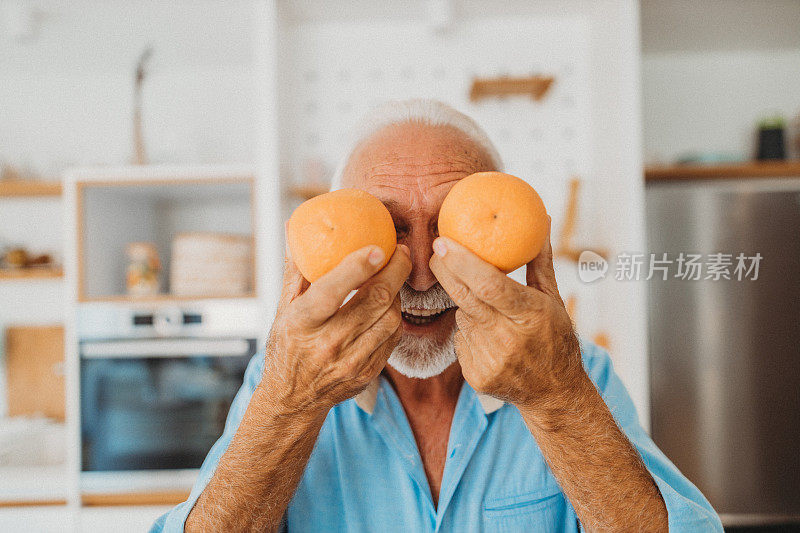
<point>365,473</point>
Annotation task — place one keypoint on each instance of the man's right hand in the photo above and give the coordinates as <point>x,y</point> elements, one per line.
<point>321,352</point>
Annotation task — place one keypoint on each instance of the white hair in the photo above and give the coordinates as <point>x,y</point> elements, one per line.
<point>426,111</point>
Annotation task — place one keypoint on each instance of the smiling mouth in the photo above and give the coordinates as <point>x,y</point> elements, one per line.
<point>420,317</point>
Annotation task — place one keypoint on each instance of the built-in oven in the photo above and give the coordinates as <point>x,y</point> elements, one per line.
<point>156,404</point>
<point>155,389</point>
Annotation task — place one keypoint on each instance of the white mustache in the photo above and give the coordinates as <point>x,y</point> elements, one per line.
<point>434,298</point>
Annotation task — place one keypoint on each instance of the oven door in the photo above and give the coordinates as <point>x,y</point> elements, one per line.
<point>156,404</point>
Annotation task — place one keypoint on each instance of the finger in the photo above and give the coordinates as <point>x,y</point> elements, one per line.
<point>540,273</point>
<point>380,356</point>
<point>293,281</point>
<point>485,281</point>
<point>365,347</point>
<point>461,294</point>
<point>375,296</point>
<point>464,353</point>
<point>324,297</point>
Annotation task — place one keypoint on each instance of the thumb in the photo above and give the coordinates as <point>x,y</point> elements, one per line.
<point>540,273</point>
<point>294,284</point>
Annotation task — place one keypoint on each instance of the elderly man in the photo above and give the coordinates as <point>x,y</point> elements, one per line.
<point>443,396</point>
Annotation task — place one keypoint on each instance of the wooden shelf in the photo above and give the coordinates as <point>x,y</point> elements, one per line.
<point>124,298</point>
<point>31,273</point>
<point>166,497</point>
<point>749,169</point>
<point>533,86</point>
<point>33,503</point>
<point>21,188</point>
<point>308,191</point>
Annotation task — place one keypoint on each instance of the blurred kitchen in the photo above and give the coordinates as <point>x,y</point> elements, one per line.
<point>151,151</point>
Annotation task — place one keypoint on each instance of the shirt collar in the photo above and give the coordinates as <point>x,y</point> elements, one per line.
<point>366,399</point>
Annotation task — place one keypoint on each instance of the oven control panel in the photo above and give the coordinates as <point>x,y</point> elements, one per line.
<point>206,319</point>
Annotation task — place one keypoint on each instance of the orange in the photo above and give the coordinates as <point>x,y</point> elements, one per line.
<point>328,227</point>
<point>498,217</point>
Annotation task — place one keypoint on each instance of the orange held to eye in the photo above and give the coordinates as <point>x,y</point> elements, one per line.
<point>328,227</point>
<point>499,217</point>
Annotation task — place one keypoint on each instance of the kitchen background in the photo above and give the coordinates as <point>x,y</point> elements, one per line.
<point>141,263</point>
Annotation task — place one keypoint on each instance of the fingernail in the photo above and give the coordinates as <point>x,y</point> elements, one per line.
<point>375,257</point>
<point>405,249</point>
<point>439,247</point>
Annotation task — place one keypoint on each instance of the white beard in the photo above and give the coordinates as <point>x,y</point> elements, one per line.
<point>421,357</point>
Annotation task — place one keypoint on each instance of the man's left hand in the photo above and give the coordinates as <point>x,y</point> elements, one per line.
<point>514,342</point>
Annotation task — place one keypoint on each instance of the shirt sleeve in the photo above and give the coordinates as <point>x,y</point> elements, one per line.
<point>687,508</point>
<point>174,520</point>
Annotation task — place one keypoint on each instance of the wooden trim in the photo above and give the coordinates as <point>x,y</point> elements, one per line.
<point>124,298</point>
<point>79,228</point>
<point>31,503</point>
<point>158,171</point>
<point>253,237</point>
<point>565,248</point>
<point>534,86</point>
<point>218,235</point>
<point>164,181</point>
<point>164,497</point>
<point>22,188</point>
<point>31,273</point>
<point>308,191</point>
<point>750,169</point>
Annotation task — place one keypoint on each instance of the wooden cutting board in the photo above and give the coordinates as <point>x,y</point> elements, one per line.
<point>35,371</point>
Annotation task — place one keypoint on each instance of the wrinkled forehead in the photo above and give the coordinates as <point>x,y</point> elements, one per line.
<point>413,166</point>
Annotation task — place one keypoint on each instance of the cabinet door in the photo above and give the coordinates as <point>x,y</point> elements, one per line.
<point>119,519</point>
<point>35,363</point>
<point>41,519</point>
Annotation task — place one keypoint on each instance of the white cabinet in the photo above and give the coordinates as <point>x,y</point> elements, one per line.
<point>119,519</point>
<point>37,519</point>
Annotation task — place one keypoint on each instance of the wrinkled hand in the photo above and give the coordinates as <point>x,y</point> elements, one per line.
<point>321,352</point>
<point>514,342</point>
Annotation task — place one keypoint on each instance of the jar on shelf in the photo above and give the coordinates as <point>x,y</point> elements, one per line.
<point>143,269</point>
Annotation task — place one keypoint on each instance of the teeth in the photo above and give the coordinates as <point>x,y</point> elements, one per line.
<point>423,316</point>
<point>424,312</point>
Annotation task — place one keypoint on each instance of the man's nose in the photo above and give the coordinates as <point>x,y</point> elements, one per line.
<point>421,277</point>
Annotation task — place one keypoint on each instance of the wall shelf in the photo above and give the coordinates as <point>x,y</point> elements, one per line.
<point>166,497</point>
<point>31,273</point>
<point>533,86</point>
<point>748,169</point>
<point>306,192</point>
<point>164,298</point>
<point>22,188</point>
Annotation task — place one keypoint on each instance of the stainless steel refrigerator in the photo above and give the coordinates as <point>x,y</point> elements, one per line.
<point>725,353</point>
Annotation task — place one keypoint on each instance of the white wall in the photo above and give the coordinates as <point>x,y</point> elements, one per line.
<point>336,65</point>
<point>66,93</point>
<point>712,69</point>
